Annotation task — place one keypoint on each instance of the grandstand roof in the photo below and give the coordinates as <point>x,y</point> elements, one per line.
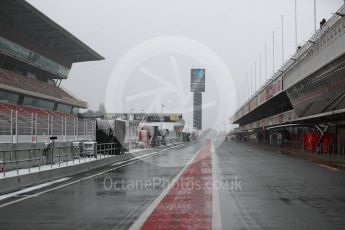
<point>22,23</point>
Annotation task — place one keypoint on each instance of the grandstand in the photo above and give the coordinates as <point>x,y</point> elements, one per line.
<point>304,102</point>
<point>36,55</point>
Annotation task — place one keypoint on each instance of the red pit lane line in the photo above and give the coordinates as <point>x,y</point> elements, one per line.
<point>188,204</point>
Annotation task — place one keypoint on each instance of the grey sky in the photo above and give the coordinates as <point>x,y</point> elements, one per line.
<point>235,30</point>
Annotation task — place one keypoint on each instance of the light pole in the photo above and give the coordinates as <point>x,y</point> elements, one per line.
<point>296,38</point>
<point>244,93</point>
<point>273,64</point>
<point>237,97</point>
<point>131,111</point>
<point>251,81</point>
<point>260,70</point>
<point>162,118</point>
<point>283,40</point>
<point>315,27</point>
<point>266,75</point>
<point>255,80</point>
<point>247,97</point>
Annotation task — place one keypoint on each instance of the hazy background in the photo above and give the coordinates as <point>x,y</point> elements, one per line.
<point>234,29</point>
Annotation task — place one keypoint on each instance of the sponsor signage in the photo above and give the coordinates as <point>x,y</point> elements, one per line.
<point>152,117</point>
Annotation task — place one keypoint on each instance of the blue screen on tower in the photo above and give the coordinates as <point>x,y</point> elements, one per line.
<point>198,76</point>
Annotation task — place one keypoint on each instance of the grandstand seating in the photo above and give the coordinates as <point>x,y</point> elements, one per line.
<point>20,81</point>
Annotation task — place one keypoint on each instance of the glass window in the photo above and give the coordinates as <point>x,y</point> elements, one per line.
<point>35,102</point>
<point>8,97</point>
<point>20,52</point>
<point>64,108</point>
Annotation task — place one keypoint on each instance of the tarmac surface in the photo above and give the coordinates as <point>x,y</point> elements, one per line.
<point>279,192</point>
<point>233,186</point>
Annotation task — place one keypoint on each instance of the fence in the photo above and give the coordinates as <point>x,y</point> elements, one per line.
<point>23,127</point>
<point>331,151</point>
<point>23,161</point>
<point>334,152</point>
<point>18,127</point>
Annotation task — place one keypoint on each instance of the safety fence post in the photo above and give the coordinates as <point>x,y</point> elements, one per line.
<point>32,128</point>
<point>11,132</point>
<point>16,128</point>
<point>65,129</point>
<point>36,141</point>
<point>62,129</point>
<point>48,126</point>
<point>52,126</point>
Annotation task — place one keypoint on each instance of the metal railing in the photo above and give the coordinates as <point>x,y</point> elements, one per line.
<point>17,162</point>
<point>23,127</point>
<point>24,161</point>
<point>334,152</point>
<point>331,151</point>
<point>293,145</point>
<point>107,149</point>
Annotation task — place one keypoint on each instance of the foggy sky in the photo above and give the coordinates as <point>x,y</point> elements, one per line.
<point>235,30</point>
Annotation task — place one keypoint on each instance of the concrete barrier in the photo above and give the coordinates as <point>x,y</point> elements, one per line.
<point>12,184</point>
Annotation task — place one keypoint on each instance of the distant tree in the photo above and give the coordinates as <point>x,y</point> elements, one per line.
<point>101,109</point>
<point>89,113</point>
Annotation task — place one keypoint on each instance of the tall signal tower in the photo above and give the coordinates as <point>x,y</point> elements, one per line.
<point>198,82</point>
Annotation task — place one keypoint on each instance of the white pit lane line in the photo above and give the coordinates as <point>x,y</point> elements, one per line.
<point>123,164</point>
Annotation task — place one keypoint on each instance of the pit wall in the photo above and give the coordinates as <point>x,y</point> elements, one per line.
<point>11,184</point>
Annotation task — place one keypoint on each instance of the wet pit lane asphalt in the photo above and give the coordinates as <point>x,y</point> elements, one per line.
<point>93,204</point>
<point>256,190</point>
<point>279,192</point>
